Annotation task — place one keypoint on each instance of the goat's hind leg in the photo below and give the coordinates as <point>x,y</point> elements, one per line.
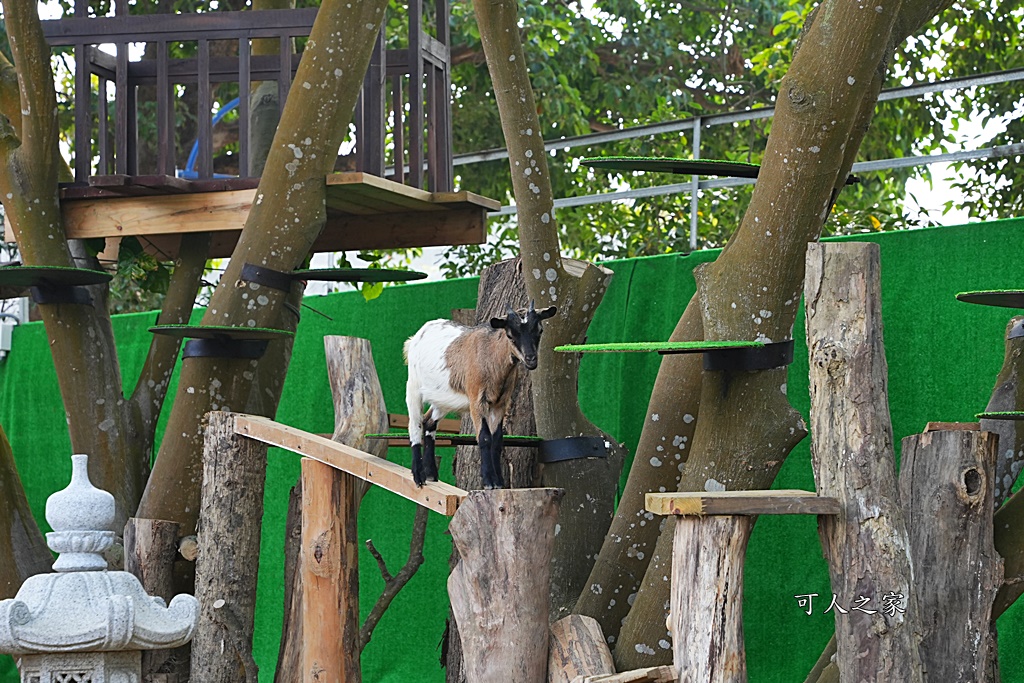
<point>497,446</point>
<point>430,421</point>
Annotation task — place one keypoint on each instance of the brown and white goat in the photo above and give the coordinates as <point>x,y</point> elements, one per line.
<point>456,368</point>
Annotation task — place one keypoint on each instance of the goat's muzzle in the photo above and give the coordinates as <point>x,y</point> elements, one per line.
<point>531,363</point>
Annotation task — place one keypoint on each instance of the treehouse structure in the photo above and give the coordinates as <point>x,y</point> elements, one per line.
<point>133,176</point>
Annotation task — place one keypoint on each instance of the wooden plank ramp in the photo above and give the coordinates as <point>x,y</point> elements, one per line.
<point>437,496</point>
<point>762,502</point>
<point>363,212</point>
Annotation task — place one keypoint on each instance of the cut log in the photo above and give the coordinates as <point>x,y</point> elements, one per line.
<point>578,650</point>
<point>234,471</point>
<point>150,548</point>
<point>866,545</point>
<point>706,604</point>
<point>946,489</point>
<point>330,575</point>
<point>289,656</point>
<point>499,588</point>
<point>651,674</point>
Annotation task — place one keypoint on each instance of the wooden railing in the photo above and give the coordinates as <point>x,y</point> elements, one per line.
<point>417,77</point>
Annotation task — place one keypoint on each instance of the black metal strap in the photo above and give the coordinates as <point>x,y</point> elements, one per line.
<point>268,277</point>
<point>225,348</point>
<point>557,450</point>
<point>765,357</point>
<point>61,295</point>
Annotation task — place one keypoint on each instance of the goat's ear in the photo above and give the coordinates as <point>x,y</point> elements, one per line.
<point>499,323</point>
<point>545,313</point>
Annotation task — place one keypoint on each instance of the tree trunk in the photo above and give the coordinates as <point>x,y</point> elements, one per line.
<point>289,656</point>
<point>23,551</point>
<point>1008,394</point>
<point>234,471</point>
<point>150,548</point>
<point>946,488</point>
<point>828,98</point>
<point>577,648</point>
<point>499,589</point>
<point>707,597</point>
<point>576,288</point>
<point>867,544</point>
<point>330,575</point>
<point>287,216</point>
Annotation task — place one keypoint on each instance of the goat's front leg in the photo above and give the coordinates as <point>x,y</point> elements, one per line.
<point>497,445</point>
<point>486,442</point>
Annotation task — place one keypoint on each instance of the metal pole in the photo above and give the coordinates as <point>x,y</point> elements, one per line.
<point>694,185</point>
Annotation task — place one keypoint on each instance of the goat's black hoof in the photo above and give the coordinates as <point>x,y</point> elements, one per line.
<point>491,487</point>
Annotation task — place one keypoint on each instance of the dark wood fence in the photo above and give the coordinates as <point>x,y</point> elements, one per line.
<point>417,77</point>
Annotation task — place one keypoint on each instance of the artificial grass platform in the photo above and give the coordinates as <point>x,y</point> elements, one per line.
<point>359,275</point>
<point>470,438</point>
<point>732,169</point>
<point>660,347</point>
<point>1007,298</point>
<point>51,276</point>
<point>1002,415</point>
<point>220,332</point>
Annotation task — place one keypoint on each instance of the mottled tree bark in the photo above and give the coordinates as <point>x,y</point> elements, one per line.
<point>577,649</point>
<point>23,551</point>
<point>1008,394</point>
<point>576,288</point>
<point>866,545</point>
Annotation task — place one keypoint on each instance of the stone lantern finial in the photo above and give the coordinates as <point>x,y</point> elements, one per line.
<point>84,623</point>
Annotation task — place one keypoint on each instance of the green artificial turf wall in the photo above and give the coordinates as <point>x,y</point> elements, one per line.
<point>943,357</point>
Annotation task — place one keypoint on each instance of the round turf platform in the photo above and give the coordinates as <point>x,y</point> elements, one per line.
<point>359,275</point>
<point>1007,298</point>
<point>220,332</point>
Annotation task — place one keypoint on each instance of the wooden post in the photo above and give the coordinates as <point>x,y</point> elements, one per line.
<point>150,548</point>
<point>866,545</point>
<point>577,649</point>
<point>289,655</point>
<point>330,575</point>
<point>708,551</point>
<point>327,582</point>
<point>946,485</point>
<point>499,588</point>
<point>234,471</point>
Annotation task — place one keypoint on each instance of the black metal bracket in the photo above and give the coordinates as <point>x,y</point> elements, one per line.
<point>571,448</point>
<point>268,277</point>
<point>43,294</point>
<point>225,348</point>
<point>747,359</point>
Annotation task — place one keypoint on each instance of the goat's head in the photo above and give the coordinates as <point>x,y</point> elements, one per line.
<point>523,331</point>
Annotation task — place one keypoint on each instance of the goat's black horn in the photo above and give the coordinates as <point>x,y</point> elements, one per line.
<point>511,311</point>
<point>532,310</point>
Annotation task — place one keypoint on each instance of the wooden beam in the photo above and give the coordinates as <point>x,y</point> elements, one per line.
<point>952,426</point>
<point>652,674</point>
<point>437,496</point>
<point>782,502</point>
<point>447,424</point>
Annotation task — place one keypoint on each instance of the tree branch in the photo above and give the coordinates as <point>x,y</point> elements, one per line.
<point>394,584</point>
<point>151,387</point>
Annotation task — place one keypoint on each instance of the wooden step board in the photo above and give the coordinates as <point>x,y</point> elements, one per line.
<point>437,496</point>
<point>770,502</point>
<point>363,212</point>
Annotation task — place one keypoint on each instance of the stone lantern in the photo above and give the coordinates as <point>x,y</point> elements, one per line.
<point>82,623</point>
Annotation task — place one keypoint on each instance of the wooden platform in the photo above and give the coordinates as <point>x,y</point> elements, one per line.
<point>363,212</point>
<point>760,502</point>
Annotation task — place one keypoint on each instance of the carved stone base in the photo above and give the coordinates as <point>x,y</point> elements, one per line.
<point>82,667</point>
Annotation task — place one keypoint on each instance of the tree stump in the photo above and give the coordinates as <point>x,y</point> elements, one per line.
<point>946,488</point>
<point>234,472</point>
<point>499,588</point>
<point>577,649</point>
<point>866,545</point>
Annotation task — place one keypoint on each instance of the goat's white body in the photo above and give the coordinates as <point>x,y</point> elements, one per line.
<point>429,376</point>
